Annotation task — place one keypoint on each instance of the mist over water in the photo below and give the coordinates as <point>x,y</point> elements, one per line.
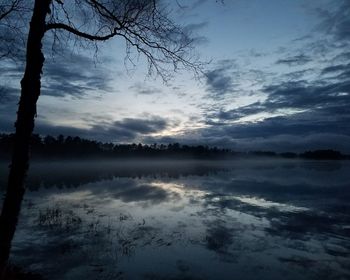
<point>244,219</point>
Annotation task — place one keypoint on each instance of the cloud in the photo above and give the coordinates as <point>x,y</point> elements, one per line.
<point>192,29</point>
<point>332,96</point>
<point>297,143</point>
<point>304,109</point>
<point>219,80</point>
<point>142,193</point>
<point>339,71</point>
<point>125,130</point>
<point>294,60</point>
<point>298,126</point>
<point>343,56</point>
<point>8,94</point>
<point>195,26</point>
<point>299,132</point>
<point>321,128</point>
<point>321,117</point>
<point>134,126</point>
<point>144,89</point>
<point>336,20</point>
<point>74,75</point>
<point>267,142</point>
<point>306,95</point>
<point>186,6</point>
<point>144,126</point>
<point>235,114</point>
<point>71,75</point>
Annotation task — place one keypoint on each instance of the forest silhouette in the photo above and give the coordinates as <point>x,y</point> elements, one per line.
<point>69,147</point>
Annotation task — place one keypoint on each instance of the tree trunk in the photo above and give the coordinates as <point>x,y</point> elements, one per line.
<point>30,91</point>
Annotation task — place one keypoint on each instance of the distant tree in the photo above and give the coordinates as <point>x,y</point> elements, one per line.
<point>60,139</point>
<point>322,154</point>
<point>49,140</point>
<point>144,25</point>
<point>289,155</point>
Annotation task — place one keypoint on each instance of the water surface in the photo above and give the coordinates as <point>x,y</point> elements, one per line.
<point>248,219</point>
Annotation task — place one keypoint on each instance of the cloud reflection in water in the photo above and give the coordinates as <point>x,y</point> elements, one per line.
<point>235,219</point>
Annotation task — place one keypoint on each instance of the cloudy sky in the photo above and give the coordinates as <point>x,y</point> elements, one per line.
<point>277,78</point>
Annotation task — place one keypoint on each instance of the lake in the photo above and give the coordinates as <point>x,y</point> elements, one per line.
<point>243,219</point>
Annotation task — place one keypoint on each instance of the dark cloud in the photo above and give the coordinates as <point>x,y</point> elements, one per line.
<point>321,128</point>
<point>343,56</point>
<point>342,71</point>
<point>192,29</point>
<point>74,75</point>
<point>11,70</point>
<point>219,80</point>
<point>254,108</point>
<point>298,125</point>
<point>144,89</point>
<point>312,113</point>
<point>322,121</point>
<point>186,6</point>
<point>336,20</point>
<point>278,132</point>
<point>195,26</point>
<point>8,94</point>
<point>129,129</point>
<point>144,126</point>
<point>303,95</point>
<point>125,130</point>
<point>295,60</point>
<point>297,75</point>
<point>332,97</point>
<point>67,75</point>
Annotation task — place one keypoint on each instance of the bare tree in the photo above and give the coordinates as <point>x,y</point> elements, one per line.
<point>144,25</point>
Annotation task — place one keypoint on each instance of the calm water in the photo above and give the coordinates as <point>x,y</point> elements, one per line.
<point>246,219</point>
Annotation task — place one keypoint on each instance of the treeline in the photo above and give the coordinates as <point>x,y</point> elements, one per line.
<point>327,154</point>
<point>76,147</point>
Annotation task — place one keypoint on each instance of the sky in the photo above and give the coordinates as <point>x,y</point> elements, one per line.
<point>276,77</point>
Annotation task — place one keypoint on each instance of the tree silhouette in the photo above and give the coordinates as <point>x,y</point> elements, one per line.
<point>144,25</point>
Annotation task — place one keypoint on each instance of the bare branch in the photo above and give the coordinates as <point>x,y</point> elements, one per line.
<point>5,10</point>
<point>14,16</point>
<point>145,25</point>
<point>84,35</point>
